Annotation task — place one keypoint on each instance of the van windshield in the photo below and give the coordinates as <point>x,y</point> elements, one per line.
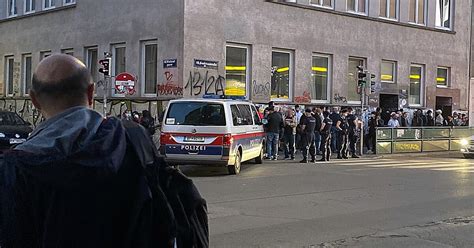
<point>196,114</point>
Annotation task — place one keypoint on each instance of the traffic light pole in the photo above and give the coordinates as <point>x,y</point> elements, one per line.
<point>362,100</point>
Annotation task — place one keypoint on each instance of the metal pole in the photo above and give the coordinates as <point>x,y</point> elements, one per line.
<point>362,100</point>
<point>105,95</point>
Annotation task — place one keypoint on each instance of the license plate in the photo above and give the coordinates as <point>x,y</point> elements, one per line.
<point>16,141</point>
<point>194,139</point>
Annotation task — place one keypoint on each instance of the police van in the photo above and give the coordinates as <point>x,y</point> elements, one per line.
<point>220,132</point>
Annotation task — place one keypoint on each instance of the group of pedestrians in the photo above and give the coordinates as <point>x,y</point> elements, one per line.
<point>314,131</point>
<point>425,119</point>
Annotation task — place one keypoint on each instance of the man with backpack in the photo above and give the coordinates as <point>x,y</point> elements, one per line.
<point>80,181</point>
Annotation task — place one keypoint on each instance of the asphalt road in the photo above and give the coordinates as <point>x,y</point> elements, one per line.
<point>402,201</point>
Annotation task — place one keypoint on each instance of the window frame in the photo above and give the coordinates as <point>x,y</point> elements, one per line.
<point>448,77</point>
<point>71,3</point>
<point>88,63</point>
<point>143,45</point>
<point>387,11</point>
<point>451,16</point>
<point>33,9</point>
<point>9,15</point>
<point>291,75</point>
<point>320,5</point>
<point>394,71</point>
<point>68,51</point>
<point>113,66</point>
<point>422,85</point>
<point>364,63</point>
<point>23,72</point>
<point>425,11</point>
<point>44,54</point>
<point>356,7</point>
<point>51,6</point>
<point>248,65</point>
<point>7,60</point>
<point>329,77</point>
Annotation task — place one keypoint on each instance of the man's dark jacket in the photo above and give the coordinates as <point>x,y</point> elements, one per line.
<point>73,183</point>
<point>275,123</point>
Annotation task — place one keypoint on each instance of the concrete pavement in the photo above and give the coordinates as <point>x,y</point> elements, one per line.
<point>368,202</point>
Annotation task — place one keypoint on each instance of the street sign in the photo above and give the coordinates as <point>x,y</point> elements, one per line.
<point>170,63</point>
<point>199,63</point>
<point>125,83</point>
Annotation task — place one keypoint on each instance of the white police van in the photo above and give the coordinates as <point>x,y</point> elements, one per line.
<point>221,132</point>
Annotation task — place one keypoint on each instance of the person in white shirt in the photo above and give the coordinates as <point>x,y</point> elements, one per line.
<point>393,122</point>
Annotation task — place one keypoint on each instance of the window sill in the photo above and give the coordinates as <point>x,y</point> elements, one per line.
<point>389,19</point>
<point>29,12</point>
<point>12,16</point>
<point>388,82</point>
<point>357,13</point>
<point>67,4</point>
<point>321,6</point>
<point>49,8</point>
<point>417,24</point>
<point>442,86</point>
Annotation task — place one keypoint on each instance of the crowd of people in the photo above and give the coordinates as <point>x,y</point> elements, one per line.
<point>325,130</point>
<point>313,131</point>
<point>145,119</point>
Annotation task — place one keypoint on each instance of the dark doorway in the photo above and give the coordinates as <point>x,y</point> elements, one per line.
<point>445,104</point>
<point>388,103</point>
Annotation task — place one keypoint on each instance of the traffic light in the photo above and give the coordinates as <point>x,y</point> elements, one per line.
<point>361,78</point>
<point>105,66</point>
<point>372,84</point>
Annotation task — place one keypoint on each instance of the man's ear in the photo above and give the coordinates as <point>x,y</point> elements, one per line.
<point>34,100</point>
<point>90,94</point>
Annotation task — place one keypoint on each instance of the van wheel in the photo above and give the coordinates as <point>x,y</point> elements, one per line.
<point>259,159</point>
<point>235,169</point>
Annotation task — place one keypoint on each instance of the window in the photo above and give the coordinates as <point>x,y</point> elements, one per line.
<point>11,8</point>
<point>119,61</point>
<point>389,9</point>
<point>417,11</point>
<point>150,67</point>
<point>9,75</point>
<point>416,84</point>
<point>237,70</point>
<point>29,6</point>
<point>358,6</point>
<point>322,3</point>
<point>352,83</point>
<point>49,4</point>
<point>442,79</point>
<point>281,74</point>
<point>443,13</point>
<point>196,113</point>
<point>67,2</point>
<point>246,114</point>
<point>256,117</point>
<point>388,72</point>
<point>68,51</point>
<point>44,54</point>
<point>27,73</point>
<point>93,63</point>
<point>320,72</point>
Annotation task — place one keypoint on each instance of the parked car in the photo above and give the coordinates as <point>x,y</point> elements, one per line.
<point>468,147</point>
<point>212,132</point>
<point>13,129</point>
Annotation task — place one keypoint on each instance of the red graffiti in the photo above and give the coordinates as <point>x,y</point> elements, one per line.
<point>169,87</point>
<point>305,98</point>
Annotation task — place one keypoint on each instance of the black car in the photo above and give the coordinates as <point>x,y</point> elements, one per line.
<point>13,129</point>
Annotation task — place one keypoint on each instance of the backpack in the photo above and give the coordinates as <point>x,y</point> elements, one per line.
<point>181,218</point>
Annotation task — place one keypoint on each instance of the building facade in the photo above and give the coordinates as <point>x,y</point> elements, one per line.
<point>293,51</point>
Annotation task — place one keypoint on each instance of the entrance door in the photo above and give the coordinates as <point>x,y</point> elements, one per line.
<point>445,104</point>
<point>388,103</point>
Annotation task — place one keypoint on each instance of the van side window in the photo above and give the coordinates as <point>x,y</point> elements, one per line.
<point>246,114</point>
<point>256,117</point>
<point>236,117</point>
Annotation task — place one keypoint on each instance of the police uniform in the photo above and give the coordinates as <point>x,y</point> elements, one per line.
<point>352,134</point>
<point>343,138</point>
<point>308,138</point>
<point>326,139</point>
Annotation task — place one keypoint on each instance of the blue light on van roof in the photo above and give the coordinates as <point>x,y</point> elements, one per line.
<point>235,97</point>
<point>213,96</point>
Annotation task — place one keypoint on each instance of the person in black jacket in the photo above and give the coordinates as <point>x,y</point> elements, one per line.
<point>273,129</point>
<point>75,182</point>
<point>148,122</point>
<point>325,131</point>
<point>308,126</point>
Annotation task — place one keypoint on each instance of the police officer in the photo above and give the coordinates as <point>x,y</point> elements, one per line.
<point>308,125</point>
<point>325,131</point>
<point>352,122</point>
<point>343,137</point>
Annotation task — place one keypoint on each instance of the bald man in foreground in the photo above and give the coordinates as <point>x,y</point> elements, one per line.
<point>75,182</point>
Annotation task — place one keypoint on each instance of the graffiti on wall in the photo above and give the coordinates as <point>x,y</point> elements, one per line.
<point>204,83</point>
<point>339,99</point>
<point>305,98</point>
<point>261,90</point>
<point>170,87</point>
<point>24,108</point>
